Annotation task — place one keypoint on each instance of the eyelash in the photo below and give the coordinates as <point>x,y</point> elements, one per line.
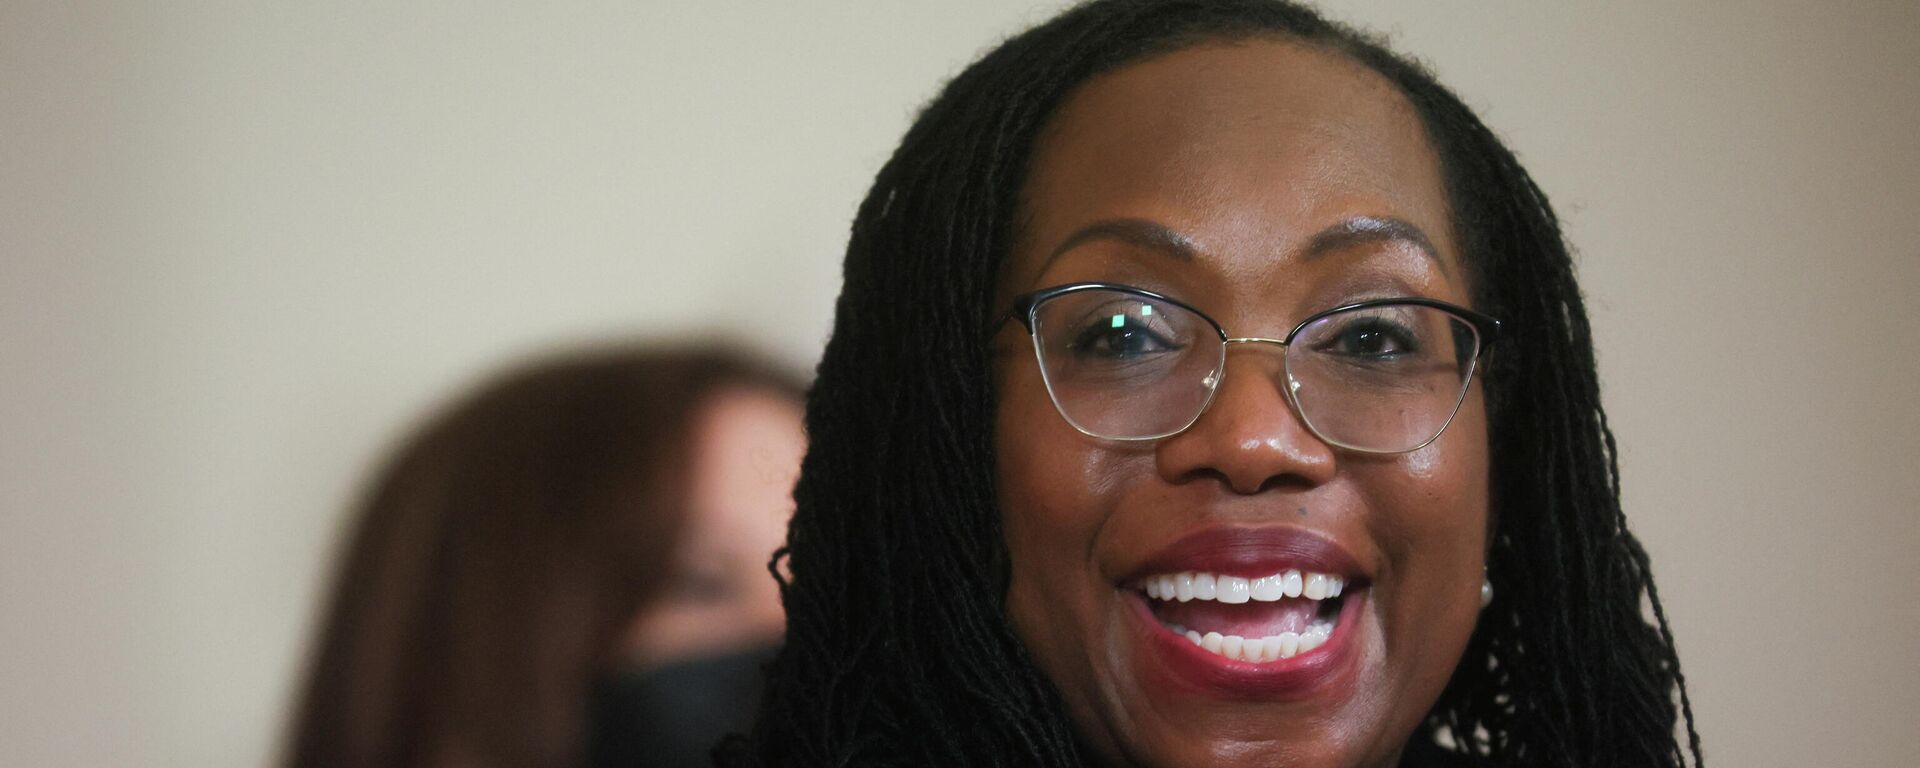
<point>1085,342</point>
<point>1404,341</point>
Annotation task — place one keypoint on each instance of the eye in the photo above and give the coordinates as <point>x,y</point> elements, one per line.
<point>1371,337</point>
<point>1121,335</point>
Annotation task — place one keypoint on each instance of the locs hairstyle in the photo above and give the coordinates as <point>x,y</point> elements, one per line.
<point>898,648</point>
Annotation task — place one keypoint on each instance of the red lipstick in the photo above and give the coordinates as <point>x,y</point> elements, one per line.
<point>1174,665</point>
<point>1250,552</point>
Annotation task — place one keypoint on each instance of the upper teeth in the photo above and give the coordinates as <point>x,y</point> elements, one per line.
<point>1189,585</point>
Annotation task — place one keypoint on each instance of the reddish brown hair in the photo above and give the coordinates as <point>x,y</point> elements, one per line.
<point>497,558</point>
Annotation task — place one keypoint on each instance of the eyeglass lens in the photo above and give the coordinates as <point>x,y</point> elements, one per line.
<point>1124,366</point>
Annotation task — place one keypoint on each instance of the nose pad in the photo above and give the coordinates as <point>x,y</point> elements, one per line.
<point>1251,436</point>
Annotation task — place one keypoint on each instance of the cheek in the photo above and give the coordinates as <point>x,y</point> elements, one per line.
<point>1432,523</point>
<point>1041,511</point>
<point>1054,495</point>
<point>1058,491</point>
<point>1436,499</point>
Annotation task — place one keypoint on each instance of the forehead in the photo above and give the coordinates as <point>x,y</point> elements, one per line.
<point>1250,148</point>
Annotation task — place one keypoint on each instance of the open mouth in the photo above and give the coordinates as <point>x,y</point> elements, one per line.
<point>1259,619</point>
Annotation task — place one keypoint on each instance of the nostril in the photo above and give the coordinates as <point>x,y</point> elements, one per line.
<point>1287,482</point>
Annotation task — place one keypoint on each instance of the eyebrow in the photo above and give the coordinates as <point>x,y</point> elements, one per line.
<point>1139,232</point>
<point>1358,230</point>
<point>1361,230</point>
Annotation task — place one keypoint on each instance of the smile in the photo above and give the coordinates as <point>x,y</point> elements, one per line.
<point>1259,619</point>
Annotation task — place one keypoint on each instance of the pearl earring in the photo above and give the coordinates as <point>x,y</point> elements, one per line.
<point>1486,592</point>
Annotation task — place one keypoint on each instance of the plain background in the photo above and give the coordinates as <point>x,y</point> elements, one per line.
<point>244,246</point>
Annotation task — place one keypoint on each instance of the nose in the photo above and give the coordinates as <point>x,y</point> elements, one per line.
<point>1249,438</point>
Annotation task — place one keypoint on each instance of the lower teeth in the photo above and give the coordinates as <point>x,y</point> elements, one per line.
<point>1285,645</point>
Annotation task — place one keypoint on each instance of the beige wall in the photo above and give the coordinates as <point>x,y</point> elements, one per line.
<point>242,245</point>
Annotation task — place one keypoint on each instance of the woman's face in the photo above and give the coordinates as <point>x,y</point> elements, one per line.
<point>1262,182</point>
<point>718,596</point>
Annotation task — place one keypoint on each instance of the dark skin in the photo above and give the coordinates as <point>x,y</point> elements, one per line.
<point>1249,154</point>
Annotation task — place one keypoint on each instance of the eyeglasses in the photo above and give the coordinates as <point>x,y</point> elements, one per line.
<point>1380,376</point>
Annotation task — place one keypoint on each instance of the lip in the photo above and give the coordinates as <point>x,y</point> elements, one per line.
<point>1249,552</point>
<point>1170,664</point>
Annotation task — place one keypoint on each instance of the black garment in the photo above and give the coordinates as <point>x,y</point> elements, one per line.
<point>1421,752</point>
<point>673,716</point>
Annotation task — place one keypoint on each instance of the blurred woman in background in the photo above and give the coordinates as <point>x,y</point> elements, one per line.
<point>567,566</point>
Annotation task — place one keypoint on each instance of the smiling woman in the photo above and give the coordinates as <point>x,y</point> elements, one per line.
<point>1257,154</point>
<point>1282,446</point>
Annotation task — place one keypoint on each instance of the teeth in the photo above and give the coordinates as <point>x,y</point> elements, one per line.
<point>1315,636</point>
<point>1290,583</point>
<point>1267,589</point>
<point>1316,587</point>
<point>1232,590</point>
<point>1235,589</point>
<point>1203,586</point>
<point>1285,645</point>
<point>1255,649</point>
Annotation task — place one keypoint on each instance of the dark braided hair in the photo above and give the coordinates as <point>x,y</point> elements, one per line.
<point>899,651</point>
